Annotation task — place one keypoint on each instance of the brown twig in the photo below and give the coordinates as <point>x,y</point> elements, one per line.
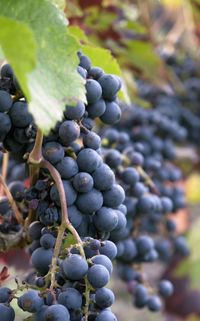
<point>4,170</point>
<point>148,180</point>
<point>12,202</point>
<point>34,160</point>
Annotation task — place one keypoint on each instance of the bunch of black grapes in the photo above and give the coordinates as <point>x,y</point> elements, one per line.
<point>141,154</point>
<point>117,200</point>
<point>90,189</point>
<point>181,107</point>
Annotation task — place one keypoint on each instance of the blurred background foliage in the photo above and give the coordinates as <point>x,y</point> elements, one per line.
<point>137,31</point>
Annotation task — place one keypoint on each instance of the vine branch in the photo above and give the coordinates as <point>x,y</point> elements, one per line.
<point>64,225</point>
<point>4,170</point>
<point>36,161</point>
<point>147,178</point>
<point>12,202</point>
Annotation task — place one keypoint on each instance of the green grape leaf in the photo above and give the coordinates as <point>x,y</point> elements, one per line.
<point>54,82</point>
<point>19,47</point>
<point>69,240</point>
<point>102,58</point>
<point>192,188</point>
<point>78,33</point>
<point>59,3</point>
<point>135,26</point>
<point>142,56</point>
<point>99,19</point>
<point>191,265</point>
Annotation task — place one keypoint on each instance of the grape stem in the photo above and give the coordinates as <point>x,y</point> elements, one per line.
<point>84,129</point>
<point>62,228</point>
<point>36,161</point>
<point>35,156</point>
<point>148,180</point>
<point>12,202</point>
<point>140,170</point>
<point>4,170</point>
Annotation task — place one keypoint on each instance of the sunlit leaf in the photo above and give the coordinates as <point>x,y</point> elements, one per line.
<point>55,81</point>
<point>59,3</point>
<point>192,188</point>
<point>78,33</point>
<point>19,48</point>
<point>69,240</point>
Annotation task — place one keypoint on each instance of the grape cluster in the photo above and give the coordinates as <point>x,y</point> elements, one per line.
<point>179,109</point>
<point>120,185</point>
<point>18,130</point>
<point>143,164</point>
<point>91,194</point>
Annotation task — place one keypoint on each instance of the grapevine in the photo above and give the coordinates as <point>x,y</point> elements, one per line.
<point>97,192</point>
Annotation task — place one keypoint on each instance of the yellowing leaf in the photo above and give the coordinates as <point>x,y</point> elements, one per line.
<point>172,3</point>
<point>193,188</point>
<point>54,82</point>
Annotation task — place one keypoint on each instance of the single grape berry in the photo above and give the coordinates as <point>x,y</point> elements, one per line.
<point>7,313</point>
<point>4,294</point>
<point>90,202</point>
<point>41,260</point>
<point>85,62</point>
<point>30,301</point>
<point>74,267</point>
<point>70,193</point>
<point>94,91</point>
<point>83,182</point>
<point>154,303</point>
<point>92,140</point>
<point>98,276</point>
<point>71,299</point>
<point>114,196</point>
<point>68,132</point>
<point>110,86</point>
<point>106,315</point>
<point>103,260</point>
<point>19,114</point>
<point>88,160</point>
<point>104,177</point>
<point>57,312</point>
<point>104,298</point>
<point>96,109</point>
<point>144,244</point>
<point>5,127</point>
<point>75,112</point>
<point>105,219</point>
<point>53,152</point>
<point>165,288</point>
<point>47,241</point>
<point>109,249</point>
<point>112,113</point>
<point>5,101</point>
<point>75,216</point>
